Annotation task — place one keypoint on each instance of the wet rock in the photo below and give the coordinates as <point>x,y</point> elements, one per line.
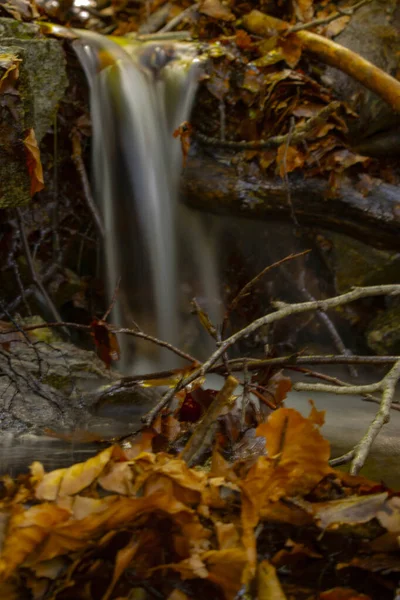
<point>58,386</point>
<point>30,103</point>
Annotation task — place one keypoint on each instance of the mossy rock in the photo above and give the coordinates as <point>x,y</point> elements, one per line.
<point>383,334</point>
<point>32,103</point>
<point>356,264</point>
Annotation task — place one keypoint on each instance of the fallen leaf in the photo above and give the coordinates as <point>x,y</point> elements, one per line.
<point>227,569</point>
<point>26,530</point>
<point>355,510</point>
<point>72,480</point>
<point>303,9</point>
<point>122,561</point>
<point>33,162</point>
<point>216,10</point>
<point>288,159</point>
<point>268,585</point>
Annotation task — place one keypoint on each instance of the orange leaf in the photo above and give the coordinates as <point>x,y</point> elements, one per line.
<point>35,169</point>
<point>341,593</point>
<point>183,132</point>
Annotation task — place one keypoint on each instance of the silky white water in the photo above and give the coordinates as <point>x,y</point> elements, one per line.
<point>135,108</point>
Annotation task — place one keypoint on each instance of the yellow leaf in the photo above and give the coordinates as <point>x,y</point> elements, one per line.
<point>35,169</point>
<point>25,531</point>
<point>66,482</point>
<point>268,584</point>
<point>10,64</point>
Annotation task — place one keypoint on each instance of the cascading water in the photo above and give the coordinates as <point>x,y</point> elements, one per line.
<point>139,95</point>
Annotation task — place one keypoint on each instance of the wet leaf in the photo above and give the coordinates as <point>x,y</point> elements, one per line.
<point>184,132</point>
<point>106,342</point>
<point>33,162</point>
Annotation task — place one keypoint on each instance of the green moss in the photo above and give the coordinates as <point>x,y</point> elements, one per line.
<point>41,84</point>
<point>383,335</point>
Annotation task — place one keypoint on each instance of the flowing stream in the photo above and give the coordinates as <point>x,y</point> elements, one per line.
<point>140,94</point>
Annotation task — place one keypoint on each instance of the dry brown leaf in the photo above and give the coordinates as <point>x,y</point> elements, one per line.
<point>291,49</point>
<point>66,482</point>
<point>288,159</point>
<point>268,585</point>
<point>297,460</point>
<point>33,162</point>
<point>303,9</point>
<point>353,510</point>
<point>227,569</point>
<point>216,10</point>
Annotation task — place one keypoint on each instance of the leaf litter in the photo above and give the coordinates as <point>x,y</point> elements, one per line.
<point>134,523</point>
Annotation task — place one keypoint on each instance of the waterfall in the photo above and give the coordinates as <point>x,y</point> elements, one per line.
<point>139,94</point>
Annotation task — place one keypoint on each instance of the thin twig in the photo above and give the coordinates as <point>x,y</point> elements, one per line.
<point>113,300</point>
<point>179,18</point>
<point>341,12</point>
<point>35,277</point>
<point>285,172</point>
<point>250,284</point>
<point>332,331</point>
<point>342,460</point>
<point>201,435</point>
<point>80,167</point>
<point>330,379</point>
<point>284,310</point>
<point>300,133</point>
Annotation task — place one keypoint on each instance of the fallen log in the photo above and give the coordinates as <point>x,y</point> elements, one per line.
<point>215,186</point>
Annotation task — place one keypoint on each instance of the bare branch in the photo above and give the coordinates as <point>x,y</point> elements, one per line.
<point>250,284</point>
<point>80,167</point>
<point>284,310</point>
<point>179,18</point>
